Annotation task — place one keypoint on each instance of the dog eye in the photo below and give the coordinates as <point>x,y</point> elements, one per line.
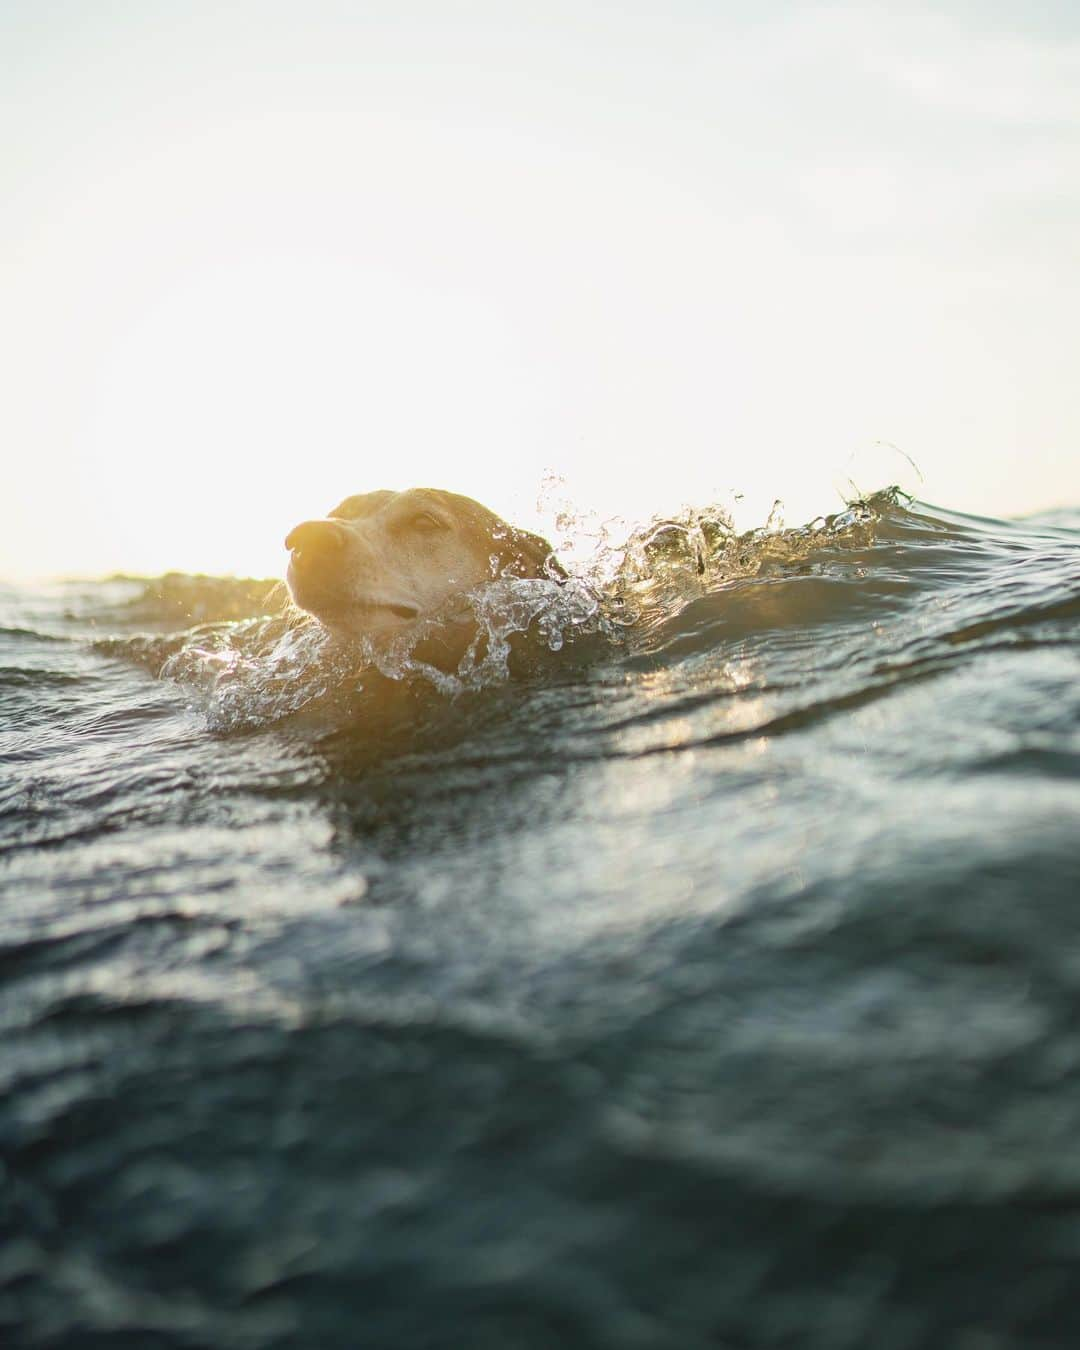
<point>426,522</point>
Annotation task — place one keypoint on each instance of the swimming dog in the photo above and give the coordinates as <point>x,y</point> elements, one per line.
<point>382,560</point>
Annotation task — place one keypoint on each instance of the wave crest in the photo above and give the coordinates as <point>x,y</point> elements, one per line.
<point>247,673</point>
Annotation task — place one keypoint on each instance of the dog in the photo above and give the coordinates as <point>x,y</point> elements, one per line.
<point>381,561</point>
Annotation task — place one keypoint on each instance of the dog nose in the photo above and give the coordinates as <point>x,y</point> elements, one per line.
<point>316,539</point>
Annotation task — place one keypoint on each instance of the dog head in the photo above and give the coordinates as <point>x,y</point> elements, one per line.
<point>383,559</point>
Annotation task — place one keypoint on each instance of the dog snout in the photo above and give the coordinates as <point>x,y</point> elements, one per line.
<point>316,540</point>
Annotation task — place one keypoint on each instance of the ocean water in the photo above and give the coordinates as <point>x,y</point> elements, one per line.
<point>697,965</point>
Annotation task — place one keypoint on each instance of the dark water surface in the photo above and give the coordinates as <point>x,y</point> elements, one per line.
<point>715,982</point>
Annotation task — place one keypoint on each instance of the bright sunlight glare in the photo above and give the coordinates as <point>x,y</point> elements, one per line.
<point>254,262</point>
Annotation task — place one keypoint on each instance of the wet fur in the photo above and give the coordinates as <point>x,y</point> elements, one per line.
<point>381,564</point>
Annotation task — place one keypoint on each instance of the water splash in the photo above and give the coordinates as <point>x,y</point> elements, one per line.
<point>667,564</point>
<point>620,585</point>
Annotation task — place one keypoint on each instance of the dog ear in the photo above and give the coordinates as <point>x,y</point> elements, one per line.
<point>521,554</point>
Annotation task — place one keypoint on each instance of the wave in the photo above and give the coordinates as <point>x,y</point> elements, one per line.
<point>179,597</point>
<point>675,589</point>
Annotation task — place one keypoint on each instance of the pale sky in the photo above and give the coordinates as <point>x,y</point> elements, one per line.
<point>257,256</point>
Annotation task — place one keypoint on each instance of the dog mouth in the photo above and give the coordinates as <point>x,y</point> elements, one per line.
<point>333,604</point>
<point>400,609</point>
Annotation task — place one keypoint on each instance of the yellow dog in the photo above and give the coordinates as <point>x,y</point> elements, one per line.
<point>381,560</point>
